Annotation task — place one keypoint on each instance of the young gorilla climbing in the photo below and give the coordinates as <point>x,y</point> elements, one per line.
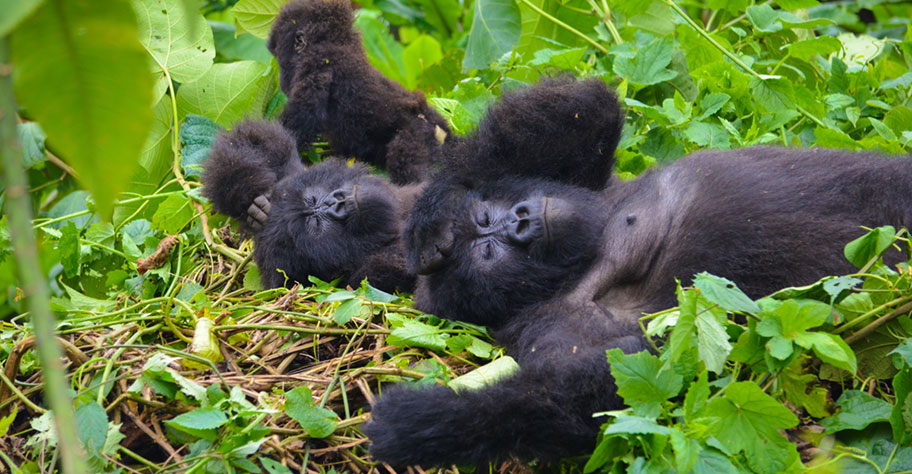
<point>332,89</point>
<point>561,274</point>
<point>248,162</point>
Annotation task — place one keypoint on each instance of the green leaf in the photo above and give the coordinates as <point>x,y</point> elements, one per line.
<point>68,246</point>
<point>273,467</point>
<point>724,293</point>
<point>642,381</point>
<point>236,47</point>
<point>830,348</point>
<point>417,334</point>
<point>256,16</point>
<point>317,421</point>
<point>383,51</point>
<point>708,135</point>
<point>181,46</point>
<point>686,451</point>
<point>539,32</point>
<point>82,73</point>
<point>419,55</point>
<point>712,341</point>
<point>797,4</point>
<point>857,411</point>
<point>712,103</point>
<point>710,461</point>
<point>346,310</point>
<point>229,92</point>
<point>14,12</point>
<point>485,375</point>
<point>773,95</point>
<point>173,214</point>
<point>625,424</point>
<point>200,419</point>
<point>92,426</point>
<point>899,419</point>
<point>649,64</point>
<point>749,420</point>
<point>807,49</point>
<point>197,135</point>
<point>861,250</point>
<point>495,30</point>
<point>32,139</point>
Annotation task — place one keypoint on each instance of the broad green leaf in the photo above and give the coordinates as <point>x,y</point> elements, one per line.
<point>710,461</point>
<point>68,246</point>
<point>232,46</point>
<point>686,451</point>
<point>383,51</point>
<point>443,15</point>
<point>625,424</point>
<point>318,421</point>
<point>787,321</point>
<point>649,64</point>
<point>830,348</point>
<point>539,32</point>
<point>749,420</point>
<point>82,73</point>
<point>196,135</point>
<point>696,397</point>
<point>830,138</point>
<point>708,135</point>
<point>256,16</point>
<point>857,411</point>
<point>229,92</point>
<point>682,336</point>
<point>31,138</point>
<point>712,103</point>
<point>899,414</point>
<point>181,46</point>
<point>274,467</point>
<point>495,31</point>
<point>861,250</point>
<point>419,55</point>
<point>347,310</point>
<point>157,155</point>
<point>822,45</point>
<point>712,341</point>
<point>92,426</point>
<point>802,388</point>
<point>485,375</point>
<point>417,334</point>
<point>173,214</point>
<point>200,419</point>
<point>71,204</point>
<point>14,12</point>
<point>567,59</point>
<point>773,95</point>
<point>724,293</point>
<point>642,381</point>
<point>797,4</point>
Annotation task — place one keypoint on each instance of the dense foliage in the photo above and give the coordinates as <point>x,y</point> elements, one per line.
<point>177,361</point>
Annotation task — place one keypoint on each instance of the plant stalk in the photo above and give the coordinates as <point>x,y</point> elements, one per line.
<point>31,279</point>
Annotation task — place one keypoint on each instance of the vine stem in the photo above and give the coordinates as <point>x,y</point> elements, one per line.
<point>730,55</point>
<point>31,278</point>
<point>565,26</point>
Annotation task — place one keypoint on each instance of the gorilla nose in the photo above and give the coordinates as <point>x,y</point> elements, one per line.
<point>341,202</point>
<point>527,221</point>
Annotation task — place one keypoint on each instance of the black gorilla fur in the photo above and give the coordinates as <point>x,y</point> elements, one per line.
<point>762,217</point>
<point>330,220</point>
<point>332,89</point>
<point>247,163</point>
<point>524,134</point>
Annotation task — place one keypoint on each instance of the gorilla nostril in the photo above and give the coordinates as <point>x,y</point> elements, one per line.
<point>521,211</point>
<point>339,195</point>
<point>337,210</point>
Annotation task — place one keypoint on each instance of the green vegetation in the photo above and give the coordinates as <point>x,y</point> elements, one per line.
<point>177,361</point>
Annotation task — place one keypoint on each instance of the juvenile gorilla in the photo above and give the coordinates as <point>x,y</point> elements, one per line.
<point>247,163</point>
<point>330,220</point>
<point>561,274</point>
<point>333,90</point>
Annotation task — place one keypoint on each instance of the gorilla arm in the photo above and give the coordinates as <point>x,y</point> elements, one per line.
<point>307,109</point>
<point>543,411</point>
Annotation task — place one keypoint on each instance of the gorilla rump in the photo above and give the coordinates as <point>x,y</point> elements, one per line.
<point>330,220</point>
<point>333,90</point>
<point>763,217</point>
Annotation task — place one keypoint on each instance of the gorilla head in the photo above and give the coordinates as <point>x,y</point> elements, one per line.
<point>304,26</point>
<point>510,242</point>
<point>328,221</point>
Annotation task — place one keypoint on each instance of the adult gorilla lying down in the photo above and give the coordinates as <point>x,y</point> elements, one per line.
<point>562,273</point>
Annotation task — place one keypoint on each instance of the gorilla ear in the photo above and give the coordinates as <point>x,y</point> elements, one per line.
<point>300,41</point>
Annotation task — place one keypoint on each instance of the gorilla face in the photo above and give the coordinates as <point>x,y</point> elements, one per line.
<point>506,246</point>
<point>325,222</point>
<point>302,26</point>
